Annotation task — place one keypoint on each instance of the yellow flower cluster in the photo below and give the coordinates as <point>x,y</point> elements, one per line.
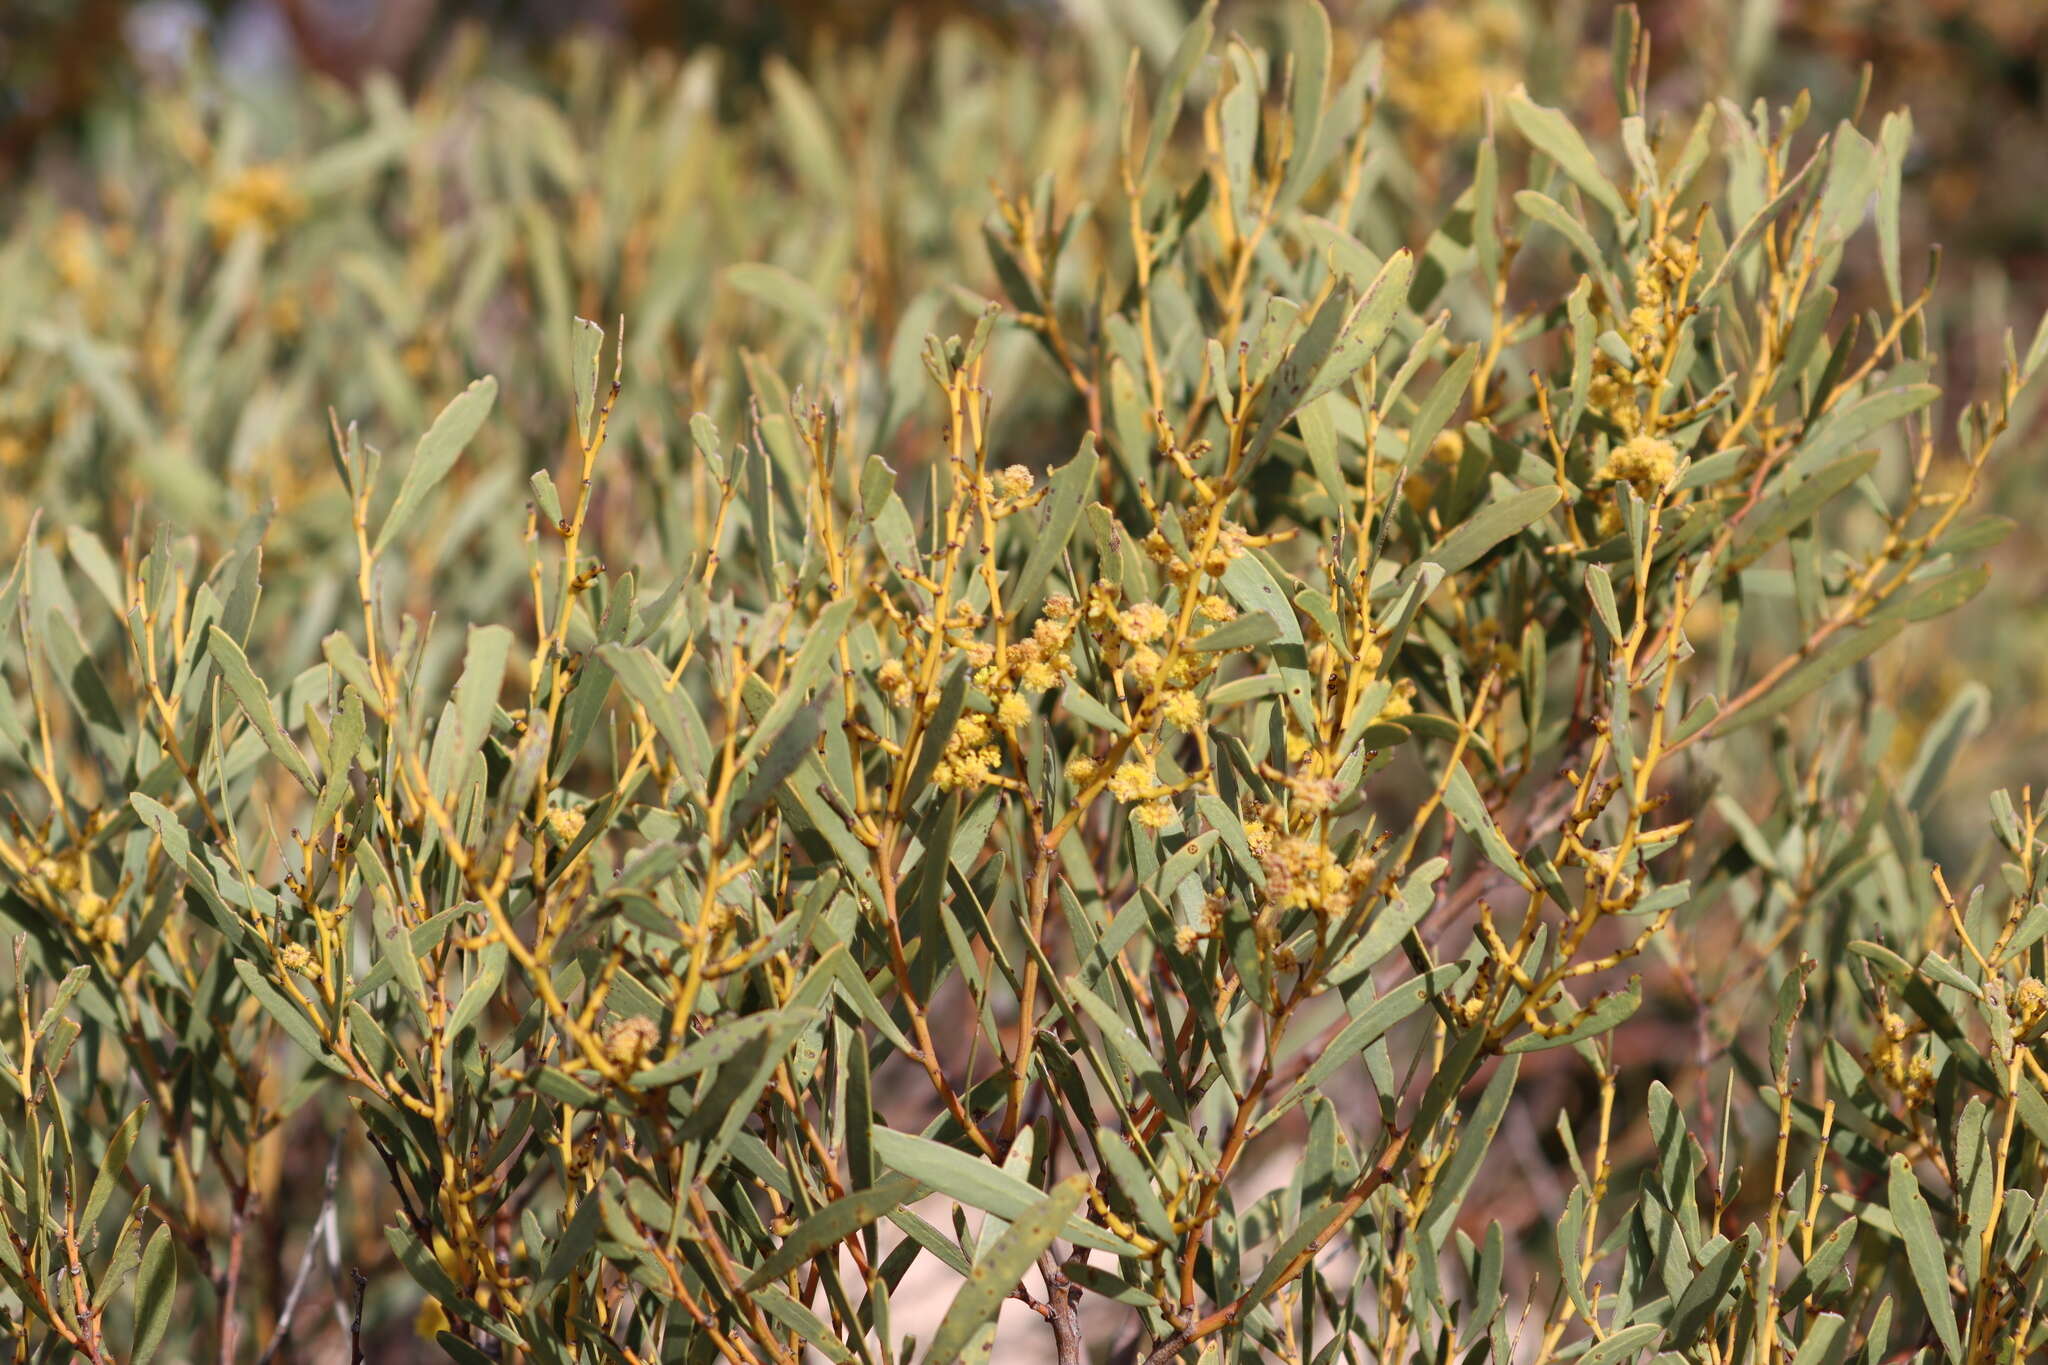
<point>1127,637</point>
<point>894,680</point>
<point>1007,677</point>
<point>1232,540</point>
<point>1301,871</point>
<point>1900,1063</point>
<point>1013,484</point>
<point>628,1040</point>
<point>564,825</point>
<point>1643,462</point>
<point>74,252</point>
<point>260,196</point>
<point>1134,783</point>
<point>1440,64</point>
<point>1616,392</point>
<point>96,915</point>
<point>298,958</point>
<point>971,757</point>
<point>2029,1004</point>
<point>66,883</point>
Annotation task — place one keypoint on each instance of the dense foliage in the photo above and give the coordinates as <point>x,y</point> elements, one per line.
<point>761,832</point>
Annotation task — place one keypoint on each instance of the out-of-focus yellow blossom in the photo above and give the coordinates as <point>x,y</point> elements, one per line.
<point>260,196</point>
<point>1441,63</point>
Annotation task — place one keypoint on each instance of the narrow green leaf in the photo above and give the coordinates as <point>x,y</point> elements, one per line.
<point>1622,1345</point>
<point>820,647</point>
<point>254,699</point>
<point>112,1164</point>
<point>586,347</point>
<point>289,1016</point>
<point>1492,524</point>
<point>436,454</point>
<point>977,1184</point>
<point>1003,1267</point>
<point>482,987</point>
<point>1924,1253</point>
<point>1069,491</point>
<point>1187,56</point>
<point>833,1224</point>
<point>1552,133</point>
<point>156,1294</point>
<point>1601,1017</point>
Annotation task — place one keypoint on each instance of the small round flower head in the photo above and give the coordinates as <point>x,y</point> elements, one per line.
<point>1060,607</point>
<point>1605,394</point>
<point>564,824</point>
<point>1144,664</point>
<point>1131,781</point>
<point>1014,482</point>
<point>1143,622</point>
<point>1919,1081</point>
<point>894,680</point>
<point>61,874</point>
<point>969,760</point>
<point>1038,675</point>
<point>1012,711</point>
<point>1186,937</point>
<point>1644,462</point>
<point>1215,607</point>
<point>1317,793</point>
<point>626,1041</point>
<point>97,914</point>
<point>1081,770</point>
<point>261,197</point>
<point>297,957</point>
<point>1646,330</point>
<point>1183,709</point>
<point>1448,447</point>
<point>1154,815</point>
<point>2029,1002</point>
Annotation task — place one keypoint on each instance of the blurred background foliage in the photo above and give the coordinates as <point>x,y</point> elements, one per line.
<point>220,221</point>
